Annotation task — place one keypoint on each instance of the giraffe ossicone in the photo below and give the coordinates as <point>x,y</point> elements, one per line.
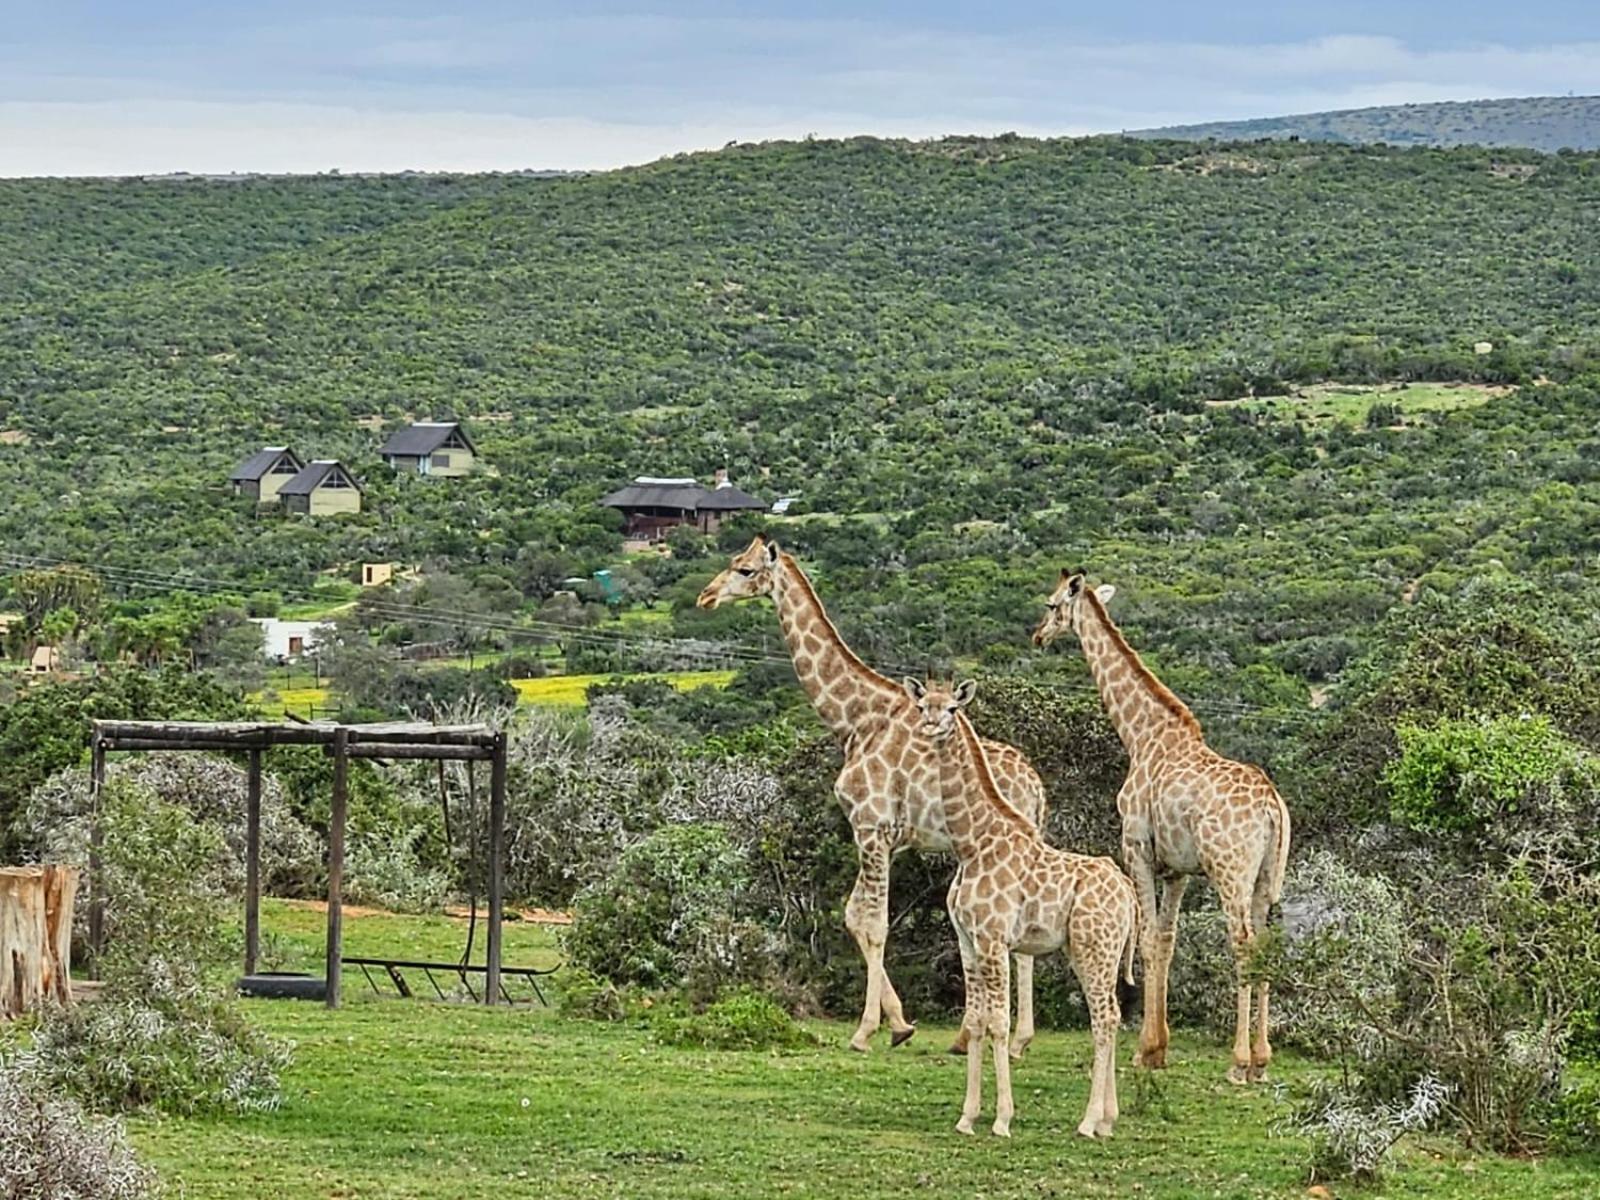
<point>889,787</point>
<point>1014,893</point>
<point>1186,810</point>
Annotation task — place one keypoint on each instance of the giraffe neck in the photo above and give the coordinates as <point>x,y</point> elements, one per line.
<point>846,693</point>
<point>976,815</point>
<point>1145,714</point>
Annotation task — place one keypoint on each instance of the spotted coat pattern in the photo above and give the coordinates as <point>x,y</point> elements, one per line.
<point>889,787</point>
<point>1186,810</point>
<point>1015,893</point>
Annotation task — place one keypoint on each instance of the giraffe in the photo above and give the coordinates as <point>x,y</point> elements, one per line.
<point>1186,810</point>
<point>889,787</point>
<point>1014,892</point>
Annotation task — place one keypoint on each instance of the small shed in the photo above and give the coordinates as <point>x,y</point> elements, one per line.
<point>322,489</point>
<point>431,448</point>
<point>376,574</point>
<point>46,660</point>
<point>653,506</point>
<point>263,474</point>
<point>285,641</point>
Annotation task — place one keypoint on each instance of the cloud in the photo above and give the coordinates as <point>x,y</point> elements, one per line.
<point>446,92</point>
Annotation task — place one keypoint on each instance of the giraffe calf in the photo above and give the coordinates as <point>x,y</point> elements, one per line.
<point>1014,893</point>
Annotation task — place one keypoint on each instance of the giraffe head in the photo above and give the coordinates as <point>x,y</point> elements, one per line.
<point>1065,606</point>
<point>937,705</point>
<point>750,573</point>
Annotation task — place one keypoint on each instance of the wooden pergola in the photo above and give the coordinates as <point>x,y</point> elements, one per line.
<point>343,743</point>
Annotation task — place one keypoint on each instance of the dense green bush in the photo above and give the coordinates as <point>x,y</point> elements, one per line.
<point>741,1020</point>
<point>670,914</point>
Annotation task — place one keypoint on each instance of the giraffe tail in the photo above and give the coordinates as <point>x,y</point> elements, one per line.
<point>1133,939</point>
<point>1280,866</point>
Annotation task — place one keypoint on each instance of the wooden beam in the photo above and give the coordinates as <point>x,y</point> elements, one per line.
<point>336,822</point>
<point>497,838</point>
<point>176,743</point>
<point>97,885</point>
<point>252,866</point>
<point>383,750</point>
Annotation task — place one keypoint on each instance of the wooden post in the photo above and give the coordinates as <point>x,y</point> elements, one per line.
<point>336,819</point>
<point>497,838</point>
<point>97,886</point>
<point>252,866</point>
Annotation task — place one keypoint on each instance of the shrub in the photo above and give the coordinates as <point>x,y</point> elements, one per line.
<point>162,1035</point>
<point>176,1048</point>
<point>669,914</point>
<point>741,1020</point>
<point>1490,777</point>
<point>1343,936</point>
<point>51,1149</point>
<point>1352,1139</point>
<point>384,870</point>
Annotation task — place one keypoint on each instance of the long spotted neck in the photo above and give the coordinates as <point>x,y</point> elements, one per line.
<point>976,815</point>
<point>1145,714</point>
<point>846,693</point>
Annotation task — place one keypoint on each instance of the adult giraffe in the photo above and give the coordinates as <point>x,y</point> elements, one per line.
<point>1186,810</point>
<point>889,787</point>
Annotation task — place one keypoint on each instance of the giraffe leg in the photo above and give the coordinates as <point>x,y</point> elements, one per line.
<point>1096,948</point>
<point>866,915</point>
<point>968,967</point>
<point>972,1023</point>
<point>1138,854</point>
<point>1243,938</point>
<point>1172,892</point>
<point>1024,1034</point>
<point>994,963</point>
<point>1261,1048</point>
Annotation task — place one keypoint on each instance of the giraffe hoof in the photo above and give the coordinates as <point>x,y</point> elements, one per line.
<point>1086,1129</point>
<point>901,1036</point>
<point>860,1044</point>
<point>1103,1130</point>
<point>1153,1060</point>
<point>1239,1074</point>
<point>964,1126</point>
<point>957,1047</point>
<point>1258,1072</point>
<point>1002,1129</point>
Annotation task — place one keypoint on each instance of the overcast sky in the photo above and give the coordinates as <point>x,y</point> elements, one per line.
<point>142,86</point>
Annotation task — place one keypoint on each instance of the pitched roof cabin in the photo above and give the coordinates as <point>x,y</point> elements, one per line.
<point>652,507</point>
<point>325,487</point>
<point>263,474</point>
<point>430,448</point>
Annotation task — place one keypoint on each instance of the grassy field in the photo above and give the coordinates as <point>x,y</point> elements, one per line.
<point>1347,404</point>
<point>568,690</point>
<point>409,1099</point>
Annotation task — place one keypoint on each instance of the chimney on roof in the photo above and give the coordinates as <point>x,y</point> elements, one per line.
<point>721,477</point>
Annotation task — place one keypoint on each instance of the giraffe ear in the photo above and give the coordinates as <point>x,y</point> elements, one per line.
<point>772,552</point>
<point>965,691</point>
<point>1074,583</point>
<point>914,687</point>
<point>1105,591</point>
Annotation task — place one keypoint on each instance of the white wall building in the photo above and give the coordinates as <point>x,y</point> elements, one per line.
<point>285,640</point>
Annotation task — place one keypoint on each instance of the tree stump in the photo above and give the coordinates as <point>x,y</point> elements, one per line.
<point>35,937</point>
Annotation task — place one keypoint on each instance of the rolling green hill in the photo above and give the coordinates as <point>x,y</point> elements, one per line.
<point>1547,123</point>
<point>970,358</point>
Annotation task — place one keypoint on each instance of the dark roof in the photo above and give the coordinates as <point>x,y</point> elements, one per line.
<point>258,464</point>
<point>312,476</point>
<point>729,497</point>
<point>424,437</point>
<point>683,494</point>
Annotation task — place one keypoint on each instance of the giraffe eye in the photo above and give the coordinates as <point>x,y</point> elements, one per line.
<point>745,571</point>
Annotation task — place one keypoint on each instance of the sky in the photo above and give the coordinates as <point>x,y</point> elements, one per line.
<point>114,87</point>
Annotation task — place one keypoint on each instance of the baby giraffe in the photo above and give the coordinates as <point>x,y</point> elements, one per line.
<point>1013,892</point>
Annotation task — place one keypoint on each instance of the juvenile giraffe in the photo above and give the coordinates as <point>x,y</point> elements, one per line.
<point>1186,810</point>
<point>889,787</point>
<point>1013,892</point>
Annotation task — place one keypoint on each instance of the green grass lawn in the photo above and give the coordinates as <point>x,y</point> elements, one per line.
<point>416,1099</point>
